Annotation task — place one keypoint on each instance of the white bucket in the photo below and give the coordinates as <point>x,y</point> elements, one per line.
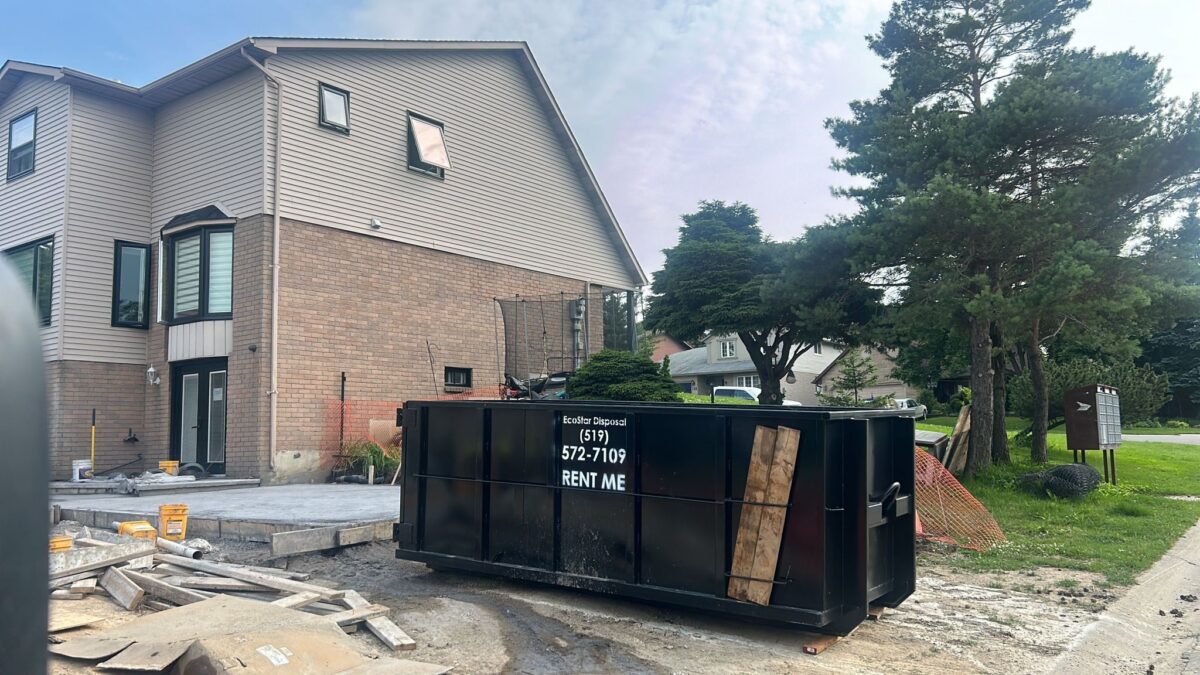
<point>80,468</point>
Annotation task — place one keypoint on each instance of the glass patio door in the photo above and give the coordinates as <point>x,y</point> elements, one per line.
<point>199,413</point>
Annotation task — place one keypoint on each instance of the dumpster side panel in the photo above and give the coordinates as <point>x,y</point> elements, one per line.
<point>644,500</point>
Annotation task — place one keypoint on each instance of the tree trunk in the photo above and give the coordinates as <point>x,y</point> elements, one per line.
<point>999,401</point>
<point>979,456</point>
<point>772,391</point>
<point>1041,397</point>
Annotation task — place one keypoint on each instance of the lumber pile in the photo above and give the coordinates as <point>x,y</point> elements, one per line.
<point>138,574</point>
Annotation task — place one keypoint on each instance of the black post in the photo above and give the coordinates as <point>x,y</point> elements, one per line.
<point>342,412</point>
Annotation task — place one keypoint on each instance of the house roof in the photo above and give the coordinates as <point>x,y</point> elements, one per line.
<point>695,362</point>
<point>821,375</point>
<point>233,59</point>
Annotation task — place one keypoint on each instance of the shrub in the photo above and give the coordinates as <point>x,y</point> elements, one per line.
<point>1143,391</point>
<point>363,453</point>
<point>612,375</point>
<point>1178,424</point>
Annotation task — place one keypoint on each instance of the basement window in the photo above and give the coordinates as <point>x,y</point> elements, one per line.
<point>35,265</point>
<point>427,146</point>
<point>22,143</point>
<point>131,285</point>
<point>335,108</point>
<point>457,378</point>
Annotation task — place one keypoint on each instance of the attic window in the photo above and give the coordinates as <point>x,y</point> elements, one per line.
<point>427,146</point>
<point>335,108</point>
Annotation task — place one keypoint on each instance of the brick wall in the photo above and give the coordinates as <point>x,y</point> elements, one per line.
<point>117,392</point>
<point>366,306</point>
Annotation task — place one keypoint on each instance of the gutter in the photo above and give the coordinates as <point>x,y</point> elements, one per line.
<point>273,392</point>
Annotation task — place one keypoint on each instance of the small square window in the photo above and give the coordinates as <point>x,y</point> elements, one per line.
<point>22,144</point>
<point>459,378</point>
<point>335,108</point>
<point>427,146</point>
<point>728,349</point>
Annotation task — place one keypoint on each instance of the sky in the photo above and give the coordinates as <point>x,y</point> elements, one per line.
<point>672,101</point>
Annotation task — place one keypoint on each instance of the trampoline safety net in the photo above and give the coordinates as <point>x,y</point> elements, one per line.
<point>549,334</point>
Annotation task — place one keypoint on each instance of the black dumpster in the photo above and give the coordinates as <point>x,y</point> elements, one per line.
<point>644,501</point>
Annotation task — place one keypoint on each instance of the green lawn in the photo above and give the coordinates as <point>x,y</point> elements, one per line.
<point>1015,424</point>
<point>1116,531</point>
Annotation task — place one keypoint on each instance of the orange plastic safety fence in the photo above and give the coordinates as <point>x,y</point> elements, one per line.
<point>949,513</point>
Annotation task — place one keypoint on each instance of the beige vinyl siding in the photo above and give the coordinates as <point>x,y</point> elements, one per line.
<point>208,148</point>
<point>32,206</point>
<point>512,195</point>
<point>199,339</point>
<point>111,157</point>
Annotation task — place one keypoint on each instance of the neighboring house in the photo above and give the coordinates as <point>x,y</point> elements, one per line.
<point>664,346</point>
<point>723,361</point>
<point>406,185</point>
<point>888,384</point>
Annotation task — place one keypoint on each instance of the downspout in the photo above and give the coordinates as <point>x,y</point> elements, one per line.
<point>273,392</point>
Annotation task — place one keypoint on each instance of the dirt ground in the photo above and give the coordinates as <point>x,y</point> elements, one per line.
<point>955,622</point>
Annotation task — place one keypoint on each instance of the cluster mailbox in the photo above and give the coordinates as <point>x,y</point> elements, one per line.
<point>1093,419</point>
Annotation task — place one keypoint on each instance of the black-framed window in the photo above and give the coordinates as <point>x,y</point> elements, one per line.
<point>199,274</point>
<point>458,377</point>
<point>35,264</point>
<point>427,146</point>
<point>131,285</point>
<point>22,144</point>
<point>334,107</point>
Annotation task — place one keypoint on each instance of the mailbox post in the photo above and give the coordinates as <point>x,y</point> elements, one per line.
<point>1093,418</point>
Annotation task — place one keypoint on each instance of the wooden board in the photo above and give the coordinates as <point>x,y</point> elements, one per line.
<point>273,571</point>
<point>761,454</point>
<point>362,534</point>
<point>64,594</point>
<point>162,590</point>
<point>259,578</point>
<point>820,643</point>
<point>297,600</point>
<point>956,437</point>
<point>62,582</point>
<point>122,590</point>
<point>90,648</point>
<point>770,529</point>
<point>147,656</point>
<point>217,584</point>
<point>304,541</point>
<point>959,463</point>
<point>384,628</point>
<point>76,560</point>
<point>357,614</point>
<point>84,585</point>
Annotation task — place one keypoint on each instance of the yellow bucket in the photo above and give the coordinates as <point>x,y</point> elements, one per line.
<point>172,521</point>
<point>60,544</point>
<point>169,466</point>
<point>139,529</point>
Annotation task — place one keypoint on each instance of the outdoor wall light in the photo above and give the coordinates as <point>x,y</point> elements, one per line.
<point>791,377</point>
<point>152,375</point>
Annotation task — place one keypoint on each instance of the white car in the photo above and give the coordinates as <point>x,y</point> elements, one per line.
<point>911,404</point>
<point>746,393</point>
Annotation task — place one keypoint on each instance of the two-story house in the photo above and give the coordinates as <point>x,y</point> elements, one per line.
<point>723,361</point>
<point>209,252</point>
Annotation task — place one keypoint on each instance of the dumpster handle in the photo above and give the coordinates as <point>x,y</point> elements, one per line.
<point>888,500</point>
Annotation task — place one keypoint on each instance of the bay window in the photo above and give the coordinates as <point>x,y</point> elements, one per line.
<point>200,274</point>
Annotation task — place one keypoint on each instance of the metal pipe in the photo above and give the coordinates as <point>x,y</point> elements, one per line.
<point>631,318</point>
<point>273,392</point>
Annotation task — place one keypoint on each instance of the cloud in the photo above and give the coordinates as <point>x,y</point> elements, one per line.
<point>678,101</point>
